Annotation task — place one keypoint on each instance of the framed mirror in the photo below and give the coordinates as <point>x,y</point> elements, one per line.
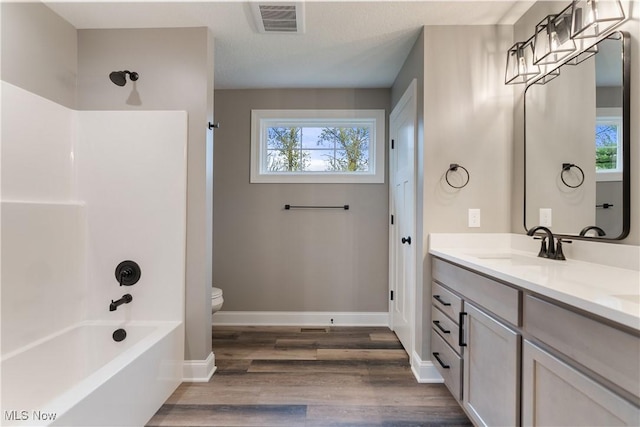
<point>577,176</point>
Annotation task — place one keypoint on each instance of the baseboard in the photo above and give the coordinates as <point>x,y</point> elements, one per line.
<point>199,371</point>
<point>300,318</point>
<point>424,371</point>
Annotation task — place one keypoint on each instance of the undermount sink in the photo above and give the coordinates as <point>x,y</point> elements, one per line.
<point>506,259</point>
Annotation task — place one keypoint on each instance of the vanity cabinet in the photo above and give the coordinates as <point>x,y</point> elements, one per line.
<point>475,351</point>
<point>445,337</point>
<point>556,394</point>
<point>513,357</point>
<point>490,392</point>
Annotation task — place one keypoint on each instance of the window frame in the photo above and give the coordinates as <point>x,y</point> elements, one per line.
<point>611,116</point>
<point>260,120</point>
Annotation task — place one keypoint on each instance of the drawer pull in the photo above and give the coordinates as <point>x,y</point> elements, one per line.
<point>461,342</point>
<point>439,326</point>
<point>437,297</point>
<point>440,361</point>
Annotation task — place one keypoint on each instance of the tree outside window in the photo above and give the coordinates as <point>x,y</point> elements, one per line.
<point>318,149</point>
<point>608,145</point>
<point>317,146</point>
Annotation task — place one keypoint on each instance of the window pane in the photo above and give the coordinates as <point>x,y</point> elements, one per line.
<point>310,137</point>
<point>293,160</point>
<point>283,150</point>
<point>283,137</point>
<point>351,148</point>
<point>606,147</point>
<point>319,160</point>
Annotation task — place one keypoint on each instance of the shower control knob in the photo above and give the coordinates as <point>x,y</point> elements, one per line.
<point>128,273</point>
<point>406,240</point>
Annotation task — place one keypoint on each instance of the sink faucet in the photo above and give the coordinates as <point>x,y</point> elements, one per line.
<point>549,252</point>
<point>597,229</point>
<point>126,299</point>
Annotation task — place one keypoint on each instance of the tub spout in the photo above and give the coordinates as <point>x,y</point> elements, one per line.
<point>126,299</point>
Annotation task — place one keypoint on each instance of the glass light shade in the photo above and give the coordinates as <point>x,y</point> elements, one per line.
<point>520,66</point>
<point>548,77</point>
<point>552,40</point>
<point>593,18</point>
<point>588,53</point>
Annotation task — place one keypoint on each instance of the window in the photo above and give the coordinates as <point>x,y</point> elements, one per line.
<point>317,146</point>
<point>608,140</point>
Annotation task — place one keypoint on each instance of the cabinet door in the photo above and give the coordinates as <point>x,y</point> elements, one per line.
<point>490,381</point>
<point>555,394</point>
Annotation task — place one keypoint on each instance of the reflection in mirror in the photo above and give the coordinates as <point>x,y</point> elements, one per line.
<point>575,146</point>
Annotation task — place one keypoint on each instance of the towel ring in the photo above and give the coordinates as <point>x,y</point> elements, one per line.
<point>567,167</point>
<point>453,167</point>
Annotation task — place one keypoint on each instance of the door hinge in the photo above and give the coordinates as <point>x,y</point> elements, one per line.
<point>391,295</point>
<point>391,219</point>
<point>393,144</point>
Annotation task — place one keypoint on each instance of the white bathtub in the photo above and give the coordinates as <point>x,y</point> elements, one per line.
<point>82,377</point>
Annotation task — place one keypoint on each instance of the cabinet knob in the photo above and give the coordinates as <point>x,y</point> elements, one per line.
<point>406,240</point>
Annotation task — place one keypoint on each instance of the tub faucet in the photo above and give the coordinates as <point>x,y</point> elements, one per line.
<point>545,252</point>
<point>126,299</point>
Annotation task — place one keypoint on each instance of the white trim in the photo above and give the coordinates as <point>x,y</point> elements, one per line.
<point>409,97</point>
<point>424,371</point>
<point>300,318</point>
<point>199,371</point>
<point>260,120</point>
<point>608,176</point>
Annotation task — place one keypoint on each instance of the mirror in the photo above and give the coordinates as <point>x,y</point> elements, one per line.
<point>577,146</point>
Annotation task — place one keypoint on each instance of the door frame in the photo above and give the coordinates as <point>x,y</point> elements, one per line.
<point>408,97</point>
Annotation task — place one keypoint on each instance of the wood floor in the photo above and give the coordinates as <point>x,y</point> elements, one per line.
<point>286,376</point>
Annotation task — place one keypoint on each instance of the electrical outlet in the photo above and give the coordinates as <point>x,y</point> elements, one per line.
<point>545,217</point>
<point>474,217</point>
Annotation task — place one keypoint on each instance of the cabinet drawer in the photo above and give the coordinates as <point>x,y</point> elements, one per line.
<point>446,328</point>
<point>500,299</point>
<point>448,363</point>
<point>608,351</point>
<point>445,300</point>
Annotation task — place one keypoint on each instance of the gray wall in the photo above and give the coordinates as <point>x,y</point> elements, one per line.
<point>176,73</point>
<point>269,259</point>
<point>467,120</point>
<point>523,29</point>
<point>39,51</point>
<point>553,138</point>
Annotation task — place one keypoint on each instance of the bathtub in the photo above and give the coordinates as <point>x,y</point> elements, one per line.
<point>82,377</point>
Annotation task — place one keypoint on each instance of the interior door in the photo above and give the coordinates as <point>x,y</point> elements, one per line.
<point>402,206</point>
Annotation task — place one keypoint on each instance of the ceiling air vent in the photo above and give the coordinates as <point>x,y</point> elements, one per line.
<point>284,18</point>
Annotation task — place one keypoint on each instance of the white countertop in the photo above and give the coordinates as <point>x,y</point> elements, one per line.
<point>608,291</point>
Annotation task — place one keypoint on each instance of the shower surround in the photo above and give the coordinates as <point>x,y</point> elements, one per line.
<point>81,192</point>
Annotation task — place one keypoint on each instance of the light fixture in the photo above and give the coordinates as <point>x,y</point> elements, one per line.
<point>548,77</point>
<point>552,40</point>
<point>520,66</point>
<point>593,18</point>
<point>583,56</point>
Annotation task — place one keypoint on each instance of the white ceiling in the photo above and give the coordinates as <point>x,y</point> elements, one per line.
<point>358,44</point>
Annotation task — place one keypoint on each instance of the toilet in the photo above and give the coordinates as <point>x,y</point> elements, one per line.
<point>216,299</point>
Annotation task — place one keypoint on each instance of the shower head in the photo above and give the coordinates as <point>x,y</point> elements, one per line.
<point>120,77</point>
